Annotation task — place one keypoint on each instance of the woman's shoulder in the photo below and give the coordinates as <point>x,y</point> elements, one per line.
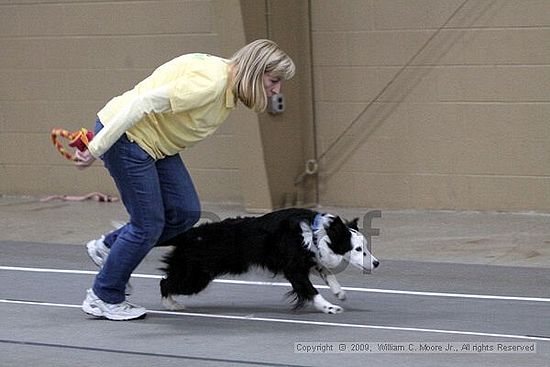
<point>193,65</point>
<point>200,59</point>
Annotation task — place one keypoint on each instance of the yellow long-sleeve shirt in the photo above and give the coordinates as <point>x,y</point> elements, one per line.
<point>194,100</point>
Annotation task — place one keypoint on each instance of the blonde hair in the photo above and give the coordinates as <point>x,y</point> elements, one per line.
<point>250,64</point>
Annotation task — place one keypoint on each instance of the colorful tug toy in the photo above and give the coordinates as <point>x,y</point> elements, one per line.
<point>77,139</point>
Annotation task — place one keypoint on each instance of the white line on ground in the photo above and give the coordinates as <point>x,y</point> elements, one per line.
<point>283,284</point>
<point>303,322</point>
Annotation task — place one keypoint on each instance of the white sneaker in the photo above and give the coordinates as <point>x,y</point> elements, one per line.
<point>92,305</point>
<point>98,252</point>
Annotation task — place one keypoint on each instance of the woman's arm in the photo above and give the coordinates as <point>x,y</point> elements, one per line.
<point>156,100</point>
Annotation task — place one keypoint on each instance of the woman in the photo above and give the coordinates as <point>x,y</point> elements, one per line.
<point>139,135</point>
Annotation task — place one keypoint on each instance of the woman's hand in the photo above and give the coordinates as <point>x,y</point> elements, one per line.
<point>84,159</point>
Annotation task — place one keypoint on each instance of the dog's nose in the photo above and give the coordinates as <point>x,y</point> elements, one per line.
<point>375,263</point>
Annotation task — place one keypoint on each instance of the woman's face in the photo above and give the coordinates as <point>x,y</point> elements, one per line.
<point>272,84</point>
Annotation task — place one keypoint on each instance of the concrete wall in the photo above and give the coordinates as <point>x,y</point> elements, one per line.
<point>287,138</point>
<point>62,60</point>
<point>465,126</point>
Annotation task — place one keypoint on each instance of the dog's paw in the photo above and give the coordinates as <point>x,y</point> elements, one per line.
<point>333,310</point>
<point>341,295</point>
<point>170,304</point>
<point>324,306</point>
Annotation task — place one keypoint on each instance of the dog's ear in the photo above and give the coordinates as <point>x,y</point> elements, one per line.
<point>353,224</point>
<point>339,235</point>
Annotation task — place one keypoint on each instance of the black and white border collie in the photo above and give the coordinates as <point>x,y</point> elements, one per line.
<point>291,242</point>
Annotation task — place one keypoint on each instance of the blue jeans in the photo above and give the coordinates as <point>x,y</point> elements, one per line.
<point>162,202</point>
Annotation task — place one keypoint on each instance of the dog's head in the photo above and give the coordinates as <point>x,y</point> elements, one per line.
<point>337,241</point>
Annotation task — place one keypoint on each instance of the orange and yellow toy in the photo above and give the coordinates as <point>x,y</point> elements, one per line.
<point>77,139</point>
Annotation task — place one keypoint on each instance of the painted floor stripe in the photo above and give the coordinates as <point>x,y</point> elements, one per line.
<point>283,284</point>
<point>302,322</point>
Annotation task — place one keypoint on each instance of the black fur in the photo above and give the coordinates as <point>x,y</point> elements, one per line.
<point>273,241</point>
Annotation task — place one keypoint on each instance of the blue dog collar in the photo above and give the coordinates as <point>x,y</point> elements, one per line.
<point>317,222</point>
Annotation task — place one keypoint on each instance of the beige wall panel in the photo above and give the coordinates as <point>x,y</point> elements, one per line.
<point>466,47</point>
<point>217,185</point>
<point>418,14</point>
<point>330,49</point>
<point>450,47</point>
<point>66,85</point>
<point>504,46</point>
<point>349,84</point>
<point>363,84</point>
<point>370,136</point>
<point>9,20</point>
<point>465,126</point>
<point>504,156</point>
<point>349,15</point>
<point>29,148</point>
<point>367,190</point>
<point>331,187</point>
<point>506,13</point>
<point>66,59</point>
<point>444,191</point>
<point>396,155</point>
<point>528,121</point>
<point>494,84</point>
<point>5,183</point>
<point>335,118</point>
<point>417,154</point>
<point>20,116</point>
<point>32,19</point>
<point>446,139</point>
<point>482,120</point>
<point>287,137</point>
<point>104,18</point>
<point>253,175</point>
<point>209,153</point>
<point>481,192</point>
<point>384,48</point>
<point>57,180</point>
<point>125,52</point>
<point>174,16</point>
<point>41,116</point>
<point>58,176</point>
<point>23,54</point>
<point>101,52</point>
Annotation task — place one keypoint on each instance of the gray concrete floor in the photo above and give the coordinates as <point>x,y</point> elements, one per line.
<point>461,277</point>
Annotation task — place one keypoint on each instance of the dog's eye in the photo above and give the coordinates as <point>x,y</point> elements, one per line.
<point>358,249</point>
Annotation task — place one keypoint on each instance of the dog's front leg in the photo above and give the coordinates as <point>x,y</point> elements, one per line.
<point>306,292</point>
<point>332,282</point>
<point>320,303</point>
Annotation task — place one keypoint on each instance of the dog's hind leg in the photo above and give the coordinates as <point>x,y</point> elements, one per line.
<point>169,287</point>
<point>332,282</point>
<point>194,283</point>
<point>171,304</point>
<point>168,300</point>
